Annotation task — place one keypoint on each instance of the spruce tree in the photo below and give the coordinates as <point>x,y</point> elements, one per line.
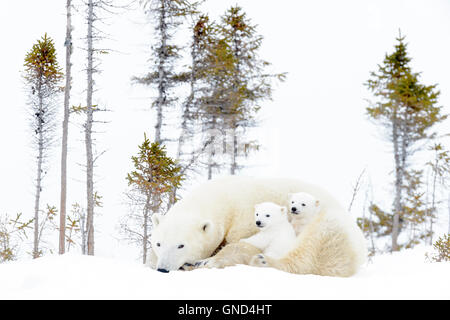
<point>407,110</point>
<point>250,83</point>
<point>42,76</point>
<point>191,145</point>
<point>216,98</point>
<point>154,177</point>
<point>167,16</point>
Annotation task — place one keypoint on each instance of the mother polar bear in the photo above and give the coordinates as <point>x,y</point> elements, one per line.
<point>217,214</point>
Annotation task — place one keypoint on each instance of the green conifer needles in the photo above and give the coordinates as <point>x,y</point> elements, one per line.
<point>154,172</point>
<point>41,64</point>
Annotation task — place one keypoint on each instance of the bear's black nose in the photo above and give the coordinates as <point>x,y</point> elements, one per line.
<point>163,270</point>
<point>258,223</point>
<point>294,209</point>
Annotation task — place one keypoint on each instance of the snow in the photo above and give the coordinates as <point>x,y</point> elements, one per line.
<point>402,275</point>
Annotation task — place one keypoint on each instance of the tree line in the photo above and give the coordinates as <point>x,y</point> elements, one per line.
<point>225,82</point>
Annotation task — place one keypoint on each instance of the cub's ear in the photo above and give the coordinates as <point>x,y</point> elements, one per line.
<point>206,226</point>
<point>156,219</point>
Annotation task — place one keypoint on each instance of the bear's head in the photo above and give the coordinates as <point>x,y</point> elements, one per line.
<point>181,239</point>
<point>268,214</point>
<point>303,203</point>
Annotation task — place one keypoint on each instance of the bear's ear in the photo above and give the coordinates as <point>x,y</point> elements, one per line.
<point>206,226</point>
<point>156,219</point>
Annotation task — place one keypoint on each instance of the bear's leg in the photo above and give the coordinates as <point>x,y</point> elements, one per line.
<point>330,255</point>
<point>292,262</point>
<point>230,255</point>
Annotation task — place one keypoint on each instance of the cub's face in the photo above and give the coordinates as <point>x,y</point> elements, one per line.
<point>303,203</point>
<point>268,214</point>
<point>177,242</point>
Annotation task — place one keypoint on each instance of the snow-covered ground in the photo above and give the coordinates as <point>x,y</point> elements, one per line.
<point>404,275</point>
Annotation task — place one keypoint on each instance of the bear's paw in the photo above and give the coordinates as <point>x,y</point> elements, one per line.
<point>259,260</point>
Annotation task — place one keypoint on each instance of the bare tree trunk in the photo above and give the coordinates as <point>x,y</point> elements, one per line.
<point>448,214</point>
<point>210,164</point>
<point>187,109</point>
<point>398,188</point>
<point>68,44</point>
<point>234,152</point>
<point>433,201</point>
<point>83,233</point>
<point>212,149</point>
<point>162,82</point>
<point>145,233</point>
<point>88,135</point>
<point>39,116</point>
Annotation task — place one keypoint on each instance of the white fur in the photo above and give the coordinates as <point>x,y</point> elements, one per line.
<point>276,236</point>
<point>303,209</point>
<point>332,244</point>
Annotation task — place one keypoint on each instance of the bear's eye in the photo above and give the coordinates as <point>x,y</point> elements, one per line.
<point>292,201</point>
<point>267,215</point>
<point>256,214</point>
<point>181,246</point>
<point>304,205</point>
<point>158,244</point>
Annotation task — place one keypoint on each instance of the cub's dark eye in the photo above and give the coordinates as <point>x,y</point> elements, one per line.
<point>304,205</point>
<point>292,201</point>
<point>158,244</point>
<point>181,246</point>
<point>267,215</point>
<point>256,214</point>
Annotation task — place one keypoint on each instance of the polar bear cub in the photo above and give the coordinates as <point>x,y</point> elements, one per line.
<point>303,208</point>
<point>277,235</point>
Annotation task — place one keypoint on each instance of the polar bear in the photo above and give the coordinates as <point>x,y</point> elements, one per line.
<point>304,207</point>
<point>218,213</point>
<point>276,236</point>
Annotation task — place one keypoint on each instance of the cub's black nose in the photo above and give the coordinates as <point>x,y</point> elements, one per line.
<point>293,209</point>
<point>258,223</point>
<point>163,270</point>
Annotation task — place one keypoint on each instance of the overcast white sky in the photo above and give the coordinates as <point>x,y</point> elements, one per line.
<point>314,129</point>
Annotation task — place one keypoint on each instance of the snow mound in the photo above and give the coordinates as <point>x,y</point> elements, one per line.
<point>403,275</point>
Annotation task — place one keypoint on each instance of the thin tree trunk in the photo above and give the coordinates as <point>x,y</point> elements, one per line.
<point>88,136</point>
<point>433,201</point>
<point>236,86</point>
<point>448,214</point>
<point>68,44</point>
<point>145,226</point>
<point>83,233</point>
<point>37,200</point>
<point>184,127</point>
<point>212,150</point>
<point>162,74</point>
<point>39,175</point>
<point>233,167</point>
<point>187,108</point>
<point>398,188</point>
